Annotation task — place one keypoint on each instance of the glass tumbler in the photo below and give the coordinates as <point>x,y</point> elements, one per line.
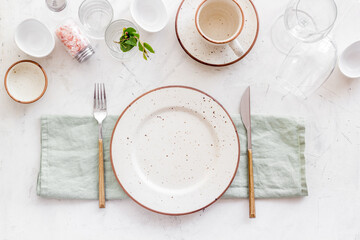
<point>113,34</point>
<point>95,16</point>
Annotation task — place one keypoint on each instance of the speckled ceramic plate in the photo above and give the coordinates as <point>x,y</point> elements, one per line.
<point>202,51</point>
<point>175,150</point>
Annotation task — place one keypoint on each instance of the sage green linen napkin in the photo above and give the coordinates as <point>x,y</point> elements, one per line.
<point>69,158</point>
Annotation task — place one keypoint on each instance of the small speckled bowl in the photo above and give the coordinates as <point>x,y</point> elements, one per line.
<point>25,81</point>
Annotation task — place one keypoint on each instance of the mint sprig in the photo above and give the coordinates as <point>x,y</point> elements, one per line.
<point>130,38</point>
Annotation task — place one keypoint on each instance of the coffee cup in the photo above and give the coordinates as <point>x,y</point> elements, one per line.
<point>221,22</point>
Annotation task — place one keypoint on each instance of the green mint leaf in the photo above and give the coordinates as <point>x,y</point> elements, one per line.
<point>136,35</point>
<point>148,47</point>
<point>144,56</point>
<point>125,47</point>
<point>132,41</point>
<point>141,48</point>
<point>131,30</point>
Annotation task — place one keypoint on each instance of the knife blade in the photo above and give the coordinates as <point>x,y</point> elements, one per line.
<point>245,113</point>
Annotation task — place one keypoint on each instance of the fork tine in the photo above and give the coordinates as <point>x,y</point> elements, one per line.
<point>104,96</point>
<point>100,103</point>
<point>94,95</point>
<point>98,96</point>
<point>101,95</point>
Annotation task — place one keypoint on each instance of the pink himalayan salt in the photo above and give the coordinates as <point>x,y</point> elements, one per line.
<point>72,38</point>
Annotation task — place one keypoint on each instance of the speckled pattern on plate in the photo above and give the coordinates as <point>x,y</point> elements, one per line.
<point>175,150</point>
<point>202,51</point>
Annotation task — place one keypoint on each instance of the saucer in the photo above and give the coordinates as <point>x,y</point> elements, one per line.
<point>202,51</point>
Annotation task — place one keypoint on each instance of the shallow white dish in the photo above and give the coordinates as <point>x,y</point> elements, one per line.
<point>25,81</point>
<point>349,62</point>
<point>150,15</point>
<point>34,38</point>
<point>175,150</point>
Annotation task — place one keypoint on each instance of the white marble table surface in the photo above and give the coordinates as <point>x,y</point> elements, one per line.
<point>331,211</point>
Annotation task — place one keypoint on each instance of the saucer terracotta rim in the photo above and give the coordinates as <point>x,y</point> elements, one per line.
<point>6,76</point>
<point>211,40</point>
<point>211,64</point>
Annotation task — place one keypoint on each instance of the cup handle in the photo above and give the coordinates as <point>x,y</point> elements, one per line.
<point>236,47</point>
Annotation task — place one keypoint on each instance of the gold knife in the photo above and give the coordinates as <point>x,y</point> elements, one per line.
<point>246,119</point>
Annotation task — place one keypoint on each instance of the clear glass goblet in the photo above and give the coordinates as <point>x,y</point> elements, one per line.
<point>303,20</point>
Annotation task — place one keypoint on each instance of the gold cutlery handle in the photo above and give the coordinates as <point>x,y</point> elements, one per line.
<point>251,186</point>
<point>101,176</point>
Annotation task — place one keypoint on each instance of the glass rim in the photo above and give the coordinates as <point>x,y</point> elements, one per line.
<point>321,31</point>
<point>106,1</point>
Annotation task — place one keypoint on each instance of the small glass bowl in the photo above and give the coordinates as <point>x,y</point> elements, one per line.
<point>113,34</point>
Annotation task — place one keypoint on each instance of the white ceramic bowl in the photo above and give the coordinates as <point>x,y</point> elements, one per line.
<point>25,81</point>
<point>349,62</point>
<point>34,38</point>
<point>150,15</point>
